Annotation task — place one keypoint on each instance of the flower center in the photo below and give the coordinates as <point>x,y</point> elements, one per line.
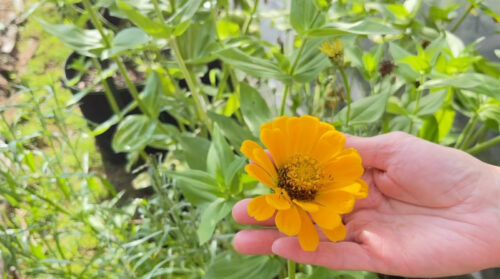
<point>300,178</point>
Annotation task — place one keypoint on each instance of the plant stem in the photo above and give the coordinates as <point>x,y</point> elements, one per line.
<point>283,100</point>
<point>222,85</point>
<point>291,269</point>
<point>292,70</point>
<point>250,19</point>
<point>131,87</point>
<point>172,5</point>
<point>202,115</point>
<point>294,65</point>
<point>471,124</point>
<point>97,23</point>
<point>462,18</point>
<point>348,94</point>
<point>158,11</point>
<point>474,137</point>
<point>485,145</point>
<point>296,59</point>
<point>107,91</point>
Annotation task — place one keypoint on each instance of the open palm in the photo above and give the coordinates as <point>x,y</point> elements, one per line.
<point>431,211</point>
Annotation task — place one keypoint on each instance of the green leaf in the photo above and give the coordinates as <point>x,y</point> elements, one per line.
<point>474,82</point>
<point>195,151</point>
<point>219,160</point>
<point>365,110</point>
<point>234,132</point>
<point>497,52</point>
<point>456,45</point>
<point>227,29</point>
<point>446,14</point>
<point>233,168</point>
<point>399,10</point>
<point>419,63</point>
<point>395,106</point>
<point>369,63</point>
<point>234,266</point>
<point>253,66</point>
<point>180,20</point>
<point>126,39</point>
<point>445,119</point>
<point>133,133</point>
<point>199,187</point>
<point>311,62</point>
<point>37,251</point>
<point>153,95</point>
<point>163,135</point>
<point>304,16</point>
<point>197,44</point>
<point>400,123</point>
<point>254,108</point>
<point>151,27</point>
<point>490,115</point>
<point>362,27</point>
<point>430,103</point>
<point>214,212</point>
<point>85,42</point>
<point>430,129</point>
<point>324,273</point>
<point>403,69</point>
<point>323,5</point>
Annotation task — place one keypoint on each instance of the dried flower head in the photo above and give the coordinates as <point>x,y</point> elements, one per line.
<point>386,67</point>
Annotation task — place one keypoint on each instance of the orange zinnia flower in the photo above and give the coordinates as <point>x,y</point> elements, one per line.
<point>312,176</point>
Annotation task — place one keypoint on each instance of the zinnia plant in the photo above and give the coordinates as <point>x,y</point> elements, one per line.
<point>314,178</point>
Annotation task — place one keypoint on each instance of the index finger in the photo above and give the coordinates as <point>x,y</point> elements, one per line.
<point>376,151</point>
<point>240,214</point>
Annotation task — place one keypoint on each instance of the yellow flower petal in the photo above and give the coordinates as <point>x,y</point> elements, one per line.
<point>308,235</point>
<point>307,206</point>
<point>325,127</point>
<point>278,201</point>
<point>326,218</point>
<point>363,192</point>
<point>359,189</point>
<point>288,221</point>
<point>308,127</point>
<point>346,166</point>
<point>281,124</point>
<point>338,201</point>
<point>260,174</point>
<point>294,134</point>
<point>259,209</point>
<point>256,153</point>
<point>275,140</point>
<point>330,144</point>
<point>337,234</point>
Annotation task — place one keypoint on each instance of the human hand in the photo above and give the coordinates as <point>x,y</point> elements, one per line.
<point>431,211</point>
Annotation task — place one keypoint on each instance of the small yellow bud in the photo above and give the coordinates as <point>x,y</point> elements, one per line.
<point>334,50</point>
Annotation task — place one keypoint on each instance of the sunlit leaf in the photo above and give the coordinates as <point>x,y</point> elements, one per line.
<point>212,214</point>
<point>254,108</point>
